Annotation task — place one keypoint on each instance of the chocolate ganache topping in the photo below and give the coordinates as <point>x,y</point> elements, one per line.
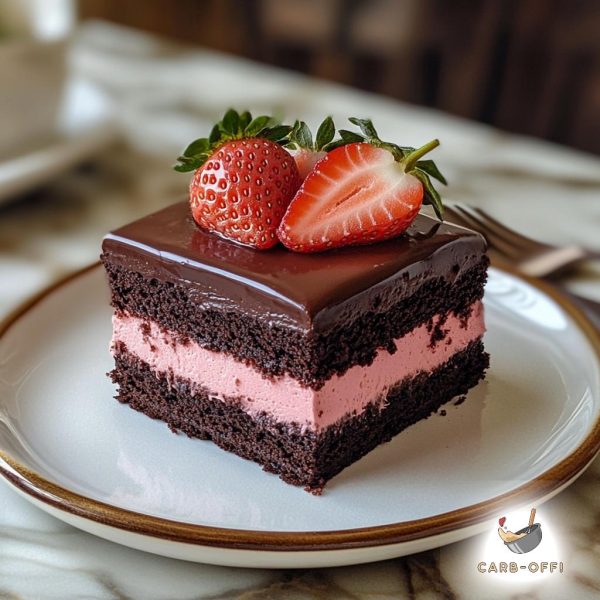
<point>303,291</point>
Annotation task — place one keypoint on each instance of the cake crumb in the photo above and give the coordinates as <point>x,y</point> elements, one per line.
<point>443,412</point>
<point>464,318</point>
<point>438,332</point>
<point>460,400</point>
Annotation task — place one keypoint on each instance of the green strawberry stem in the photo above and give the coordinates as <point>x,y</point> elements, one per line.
<point>407,156</point>
<point>410,161</point>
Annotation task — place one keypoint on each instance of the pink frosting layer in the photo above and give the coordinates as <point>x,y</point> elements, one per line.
<point>284,398</point>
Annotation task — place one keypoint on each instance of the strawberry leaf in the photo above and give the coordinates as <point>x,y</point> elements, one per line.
<point>398,153</point>
<point>257,125</point>
<point>366,126</point>
<point>292,143</point>
<point>188,164</point>
<point>215,135</point>
<point>334,144</point>
<point>404,150</point>
<point>301,135</point>
<point>187,159</point>
<point>431,195</point>
<point>183,168</point>
<point>277,133</point>
<point>231,122</point>
<point>325,133</point>
<point>245,119</point>
<point>429,167</point>
<point>196,147</point>
<point>350,137</point>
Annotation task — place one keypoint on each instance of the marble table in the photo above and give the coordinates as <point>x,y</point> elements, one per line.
<point>162,100</point>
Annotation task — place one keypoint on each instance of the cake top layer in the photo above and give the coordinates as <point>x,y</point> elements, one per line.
<point>283,287</point>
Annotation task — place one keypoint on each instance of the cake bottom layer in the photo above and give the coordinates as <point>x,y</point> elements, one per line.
<point>303,458</point>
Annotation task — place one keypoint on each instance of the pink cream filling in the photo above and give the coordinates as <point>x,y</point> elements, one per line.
<point>283,397</point>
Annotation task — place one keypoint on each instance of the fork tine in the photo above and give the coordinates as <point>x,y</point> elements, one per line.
<point>510,235</point>
<point>494,227</point>
<point>531,257</point>
<point>474,221</point>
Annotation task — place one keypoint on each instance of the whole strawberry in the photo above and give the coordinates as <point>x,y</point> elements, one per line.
<point>306,151</point>
<point>244,179</point>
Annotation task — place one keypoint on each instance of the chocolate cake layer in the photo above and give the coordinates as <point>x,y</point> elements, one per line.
<point>297,291</point>
<point>311,358</point>
<point>307,459</point>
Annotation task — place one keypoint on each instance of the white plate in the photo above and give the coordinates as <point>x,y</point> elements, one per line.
<point>85,124</point>
<point>523,435</point>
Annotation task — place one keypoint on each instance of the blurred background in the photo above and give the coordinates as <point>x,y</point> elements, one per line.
<point>529,66</point>
<point>98,97</point>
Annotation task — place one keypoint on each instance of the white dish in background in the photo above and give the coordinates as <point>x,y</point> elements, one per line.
<point>33,75</point>
<point>83,124</point>
<point>520,437</point>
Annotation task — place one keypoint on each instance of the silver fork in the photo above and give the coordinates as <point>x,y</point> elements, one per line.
<point>528,256</point>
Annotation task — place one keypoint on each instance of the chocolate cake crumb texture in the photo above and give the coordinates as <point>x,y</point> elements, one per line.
<point>310,358</point>
<point>300,458</point>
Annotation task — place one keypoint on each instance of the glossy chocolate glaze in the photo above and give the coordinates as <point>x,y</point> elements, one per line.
<point>303,291</point>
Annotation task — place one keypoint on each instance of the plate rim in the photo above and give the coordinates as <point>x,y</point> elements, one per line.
<point>61,498</point>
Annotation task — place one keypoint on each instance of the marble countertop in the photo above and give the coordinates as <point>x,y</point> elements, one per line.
<point>161,99</point>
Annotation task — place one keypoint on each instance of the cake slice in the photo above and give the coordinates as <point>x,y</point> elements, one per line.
<point>302,363</point>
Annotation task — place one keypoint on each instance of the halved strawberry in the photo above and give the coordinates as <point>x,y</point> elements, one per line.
<point>361,192</point>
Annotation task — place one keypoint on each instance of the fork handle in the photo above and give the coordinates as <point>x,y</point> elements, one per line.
<point>590,308</point>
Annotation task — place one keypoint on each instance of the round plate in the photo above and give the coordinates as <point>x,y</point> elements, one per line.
<point>522,435</point>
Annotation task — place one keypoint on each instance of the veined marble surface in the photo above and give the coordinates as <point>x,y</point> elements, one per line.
<point>547,191</point>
